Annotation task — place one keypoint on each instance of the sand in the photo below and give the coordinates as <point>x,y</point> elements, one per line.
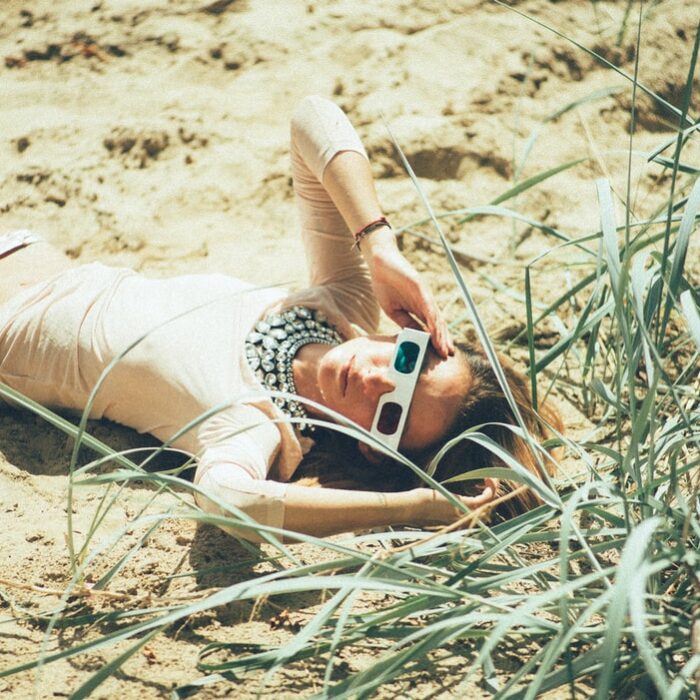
<point>153,134</point>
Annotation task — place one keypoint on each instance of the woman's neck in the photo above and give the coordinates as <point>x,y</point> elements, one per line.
<point>305,370</point>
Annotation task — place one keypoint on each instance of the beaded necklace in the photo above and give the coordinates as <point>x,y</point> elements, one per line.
<point>272,345</point>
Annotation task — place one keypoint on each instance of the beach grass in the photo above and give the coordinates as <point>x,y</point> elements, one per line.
<point>598,587</point>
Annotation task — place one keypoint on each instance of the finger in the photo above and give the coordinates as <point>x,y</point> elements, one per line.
<point>447,336</point>
<point>441,328</point>
<point>445,342</point>
<point>436,325</point>
<point>404,320</point>
<point>474,502</point>
<point>486,496</point>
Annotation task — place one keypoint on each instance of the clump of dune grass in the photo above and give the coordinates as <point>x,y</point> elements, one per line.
<point>598,586</point>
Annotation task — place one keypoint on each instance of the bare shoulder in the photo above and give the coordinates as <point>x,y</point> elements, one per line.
<point>30,265</point>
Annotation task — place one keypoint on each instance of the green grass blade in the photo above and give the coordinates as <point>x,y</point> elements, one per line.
<point>601,59</point>
<point>633,555</point>
<point>607,225</point>
<point>529,183</point>
<point>680,252</point>
<point>535,133</point>
<point>63,425</point>
<point>640,624</point>
<point>692,316</point>
<point>466,294</point>
<point>111,667</point>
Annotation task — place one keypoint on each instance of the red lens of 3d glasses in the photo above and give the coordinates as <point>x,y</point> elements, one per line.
<point>389,418</point>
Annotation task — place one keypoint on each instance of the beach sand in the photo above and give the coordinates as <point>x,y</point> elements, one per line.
<point>153,134</point>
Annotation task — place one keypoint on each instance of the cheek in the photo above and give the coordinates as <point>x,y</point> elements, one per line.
<point>325,377</point>
<point>328,372</point>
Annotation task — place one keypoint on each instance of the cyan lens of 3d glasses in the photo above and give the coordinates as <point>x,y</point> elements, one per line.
<point>406,357</point>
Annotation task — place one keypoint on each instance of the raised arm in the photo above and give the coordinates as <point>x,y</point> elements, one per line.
<point>336,196</point>
<point>397,286</point>
<point>319,133</point>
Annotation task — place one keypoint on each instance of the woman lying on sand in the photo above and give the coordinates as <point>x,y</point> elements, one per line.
<point>211,338</point>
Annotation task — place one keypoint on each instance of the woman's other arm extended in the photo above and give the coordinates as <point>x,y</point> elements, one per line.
<point>322,512</point>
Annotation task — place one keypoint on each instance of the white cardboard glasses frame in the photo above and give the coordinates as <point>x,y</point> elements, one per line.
<point>392,409</point>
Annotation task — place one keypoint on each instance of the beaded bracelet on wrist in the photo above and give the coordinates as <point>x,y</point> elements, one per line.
<point>381,222</point>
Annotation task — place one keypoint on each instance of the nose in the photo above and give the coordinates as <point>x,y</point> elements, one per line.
<point>376,381</point>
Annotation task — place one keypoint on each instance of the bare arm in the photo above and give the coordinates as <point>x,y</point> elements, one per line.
<point>335,190</point>
<point>397,286</point>
<point>321,512</point>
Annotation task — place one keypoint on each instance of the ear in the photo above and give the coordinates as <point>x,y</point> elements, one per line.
<point>369,453</point>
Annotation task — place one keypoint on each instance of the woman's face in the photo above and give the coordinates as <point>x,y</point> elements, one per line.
<point>353,375</point>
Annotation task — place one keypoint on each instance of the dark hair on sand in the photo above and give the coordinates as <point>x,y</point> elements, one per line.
<point>336,462</point>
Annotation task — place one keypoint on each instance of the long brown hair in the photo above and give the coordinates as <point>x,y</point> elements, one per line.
<point>336,462</point>
<point>486,405</point>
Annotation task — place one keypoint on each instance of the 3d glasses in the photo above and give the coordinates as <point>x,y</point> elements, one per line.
<point>392,409</point>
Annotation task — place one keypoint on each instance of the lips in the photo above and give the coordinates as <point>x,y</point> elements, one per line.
<point>344,375</point>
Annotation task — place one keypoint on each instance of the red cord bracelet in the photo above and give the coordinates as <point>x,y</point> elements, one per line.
<point>372,226</point>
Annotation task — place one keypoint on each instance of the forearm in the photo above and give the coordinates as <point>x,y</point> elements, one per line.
<point>321,512</point>
<point>348,180</point>
<point>303,509</point>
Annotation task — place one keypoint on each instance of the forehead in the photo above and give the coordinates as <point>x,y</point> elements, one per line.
<point>436,400</point>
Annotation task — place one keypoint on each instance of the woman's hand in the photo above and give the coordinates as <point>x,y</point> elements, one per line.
<point>401,292</point>
<point>435,509</point>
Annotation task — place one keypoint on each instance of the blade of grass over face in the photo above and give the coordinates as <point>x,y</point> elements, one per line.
<point>476,320</point>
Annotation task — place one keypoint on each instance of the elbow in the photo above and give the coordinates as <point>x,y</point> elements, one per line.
<point>305,113</point>
<point>240,502</point>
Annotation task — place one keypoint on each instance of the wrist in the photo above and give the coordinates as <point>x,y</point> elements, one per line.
<point>379,242</point>
<point>434,509</point>
<point>405,507</point>
<point>421,506</point>
<point>373,230</point>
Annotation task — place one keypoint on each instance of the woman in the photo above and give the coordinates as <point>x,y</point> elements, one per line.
<point>193,344</point>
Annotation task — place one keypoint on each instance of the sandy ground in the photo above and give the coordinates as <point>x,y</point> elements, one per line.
<point>154,134</point>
